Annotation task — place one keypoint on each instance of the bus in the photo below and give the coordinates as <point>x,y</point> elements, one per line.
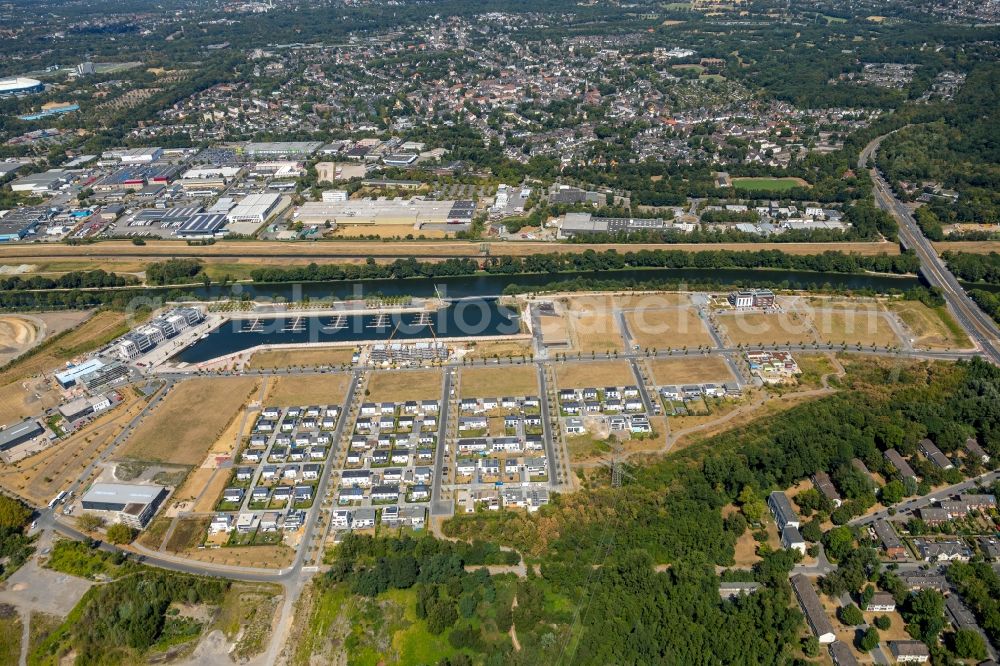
<point>58,498</point>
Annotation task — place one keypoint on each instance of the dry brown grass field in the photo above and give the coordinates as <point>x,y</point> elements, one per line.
<point>594,373</point>
<point>690,370</point>
<point>675,328</point>
<point>266,557</point>
<point>493,382</point>
<point>858,326</point>
<point>104,254</point>
<point>303,390</point>
<point>500,349</point>
<point>191,418</point>
<point>758,328</point>
<point>401,385</point>
<point>933,328</point>
<point>271,359</point>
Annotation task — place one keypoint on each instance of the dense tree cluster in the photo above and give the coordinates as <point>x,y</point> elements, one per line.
<point>174,271</point>
<point>973,267</point>
<point>72,280</point>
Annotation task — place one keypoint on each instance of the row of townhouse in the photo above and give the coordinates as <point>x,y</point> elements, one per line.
<point>694,391</point>
<point>486,445</point>
<point>634,423</point>
<point>532,467</point>
<point>409,408</point>
<point>389,424</point>
<point>269,521</point>
<point>312,411</point>
<point>301,493</point>
<point>390,516</point>
<point>591,393</point>
<point>954,509</point>
<point>611,406</point>
<point>479,405</point>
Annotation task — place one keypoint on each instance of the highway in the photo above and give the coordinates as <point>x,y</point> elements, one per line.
<point>980,326</point>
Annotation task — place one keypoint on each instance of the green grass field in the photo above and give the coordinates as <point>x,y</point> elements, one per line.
<point>768,184</point>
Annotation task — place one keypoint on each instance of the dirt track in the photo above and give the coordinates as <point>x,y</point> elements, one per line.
<point>284,252</point>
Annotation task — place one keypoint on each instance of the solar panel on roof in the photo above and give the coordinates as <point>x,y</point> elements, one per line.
<point>203,223</point>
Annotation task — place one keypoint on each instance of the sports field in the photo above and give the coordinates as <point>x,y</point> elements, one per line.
<point>190,420</point>
<point>769,184</point>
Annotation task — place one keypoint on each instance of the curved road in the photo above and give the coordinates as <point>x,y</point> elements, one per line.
<point>980,326</point>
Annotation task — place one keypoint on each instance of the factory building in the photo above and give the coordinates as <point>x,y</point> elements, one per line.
<point>130,504</point>
<point>254,208</point>
<point>71,375</point>
<point>19,433</point>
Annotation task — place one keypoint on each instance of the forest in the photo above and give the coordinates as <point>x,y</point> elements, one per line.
<point>973,267</point>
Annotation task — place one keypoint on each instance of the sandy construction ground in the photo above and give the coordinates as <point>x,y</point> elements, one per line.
<point>673,328</point>
<point>270,359</point>
<point>759,328</point>
<point>305,390</point>
<point>21,332</point>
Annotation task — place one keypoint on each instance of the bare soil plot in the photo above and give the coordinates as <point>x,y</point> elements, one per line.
<point>591,322</point>
<point>303,390</point>
<point>494,382</point>
<point>555,330</point>
<point>690,370</point>
<point>401,385</point>
<point>757,328</point>
<point>501,349</point>
<point>675,328</point>
<point>211,491</point>
<point>594,373</point>
<point>190,420</point>
<point>932,328</point>
<point>270,359</point>
<point>651,300</point>
<point>17,335</point>
<point>187,534</point>
<point>858,326</point>
<point>267,557</point>
<point>41,476</point>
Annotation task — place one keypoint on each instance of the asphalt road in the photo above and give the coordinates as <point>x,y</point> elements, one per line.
<point>980,327</point>
<point>439,507</point>
<point>906,508</point>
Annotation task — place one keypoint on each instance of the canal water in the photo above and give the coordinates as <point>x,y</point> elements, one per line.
<point>475,317</point>
<point>488,285</point>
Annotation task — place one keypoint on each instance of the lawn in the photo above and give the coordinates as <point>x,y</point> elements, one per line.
<point>402,385</point>
<point>769,184</point>
<point>674,328</point>
<point>690,370</point>
<point>286,358</point>
<point>594,373</point>
<point>190,420</point>
<point>304,390</point>
<point>757,328</point>
<point>515,380</point>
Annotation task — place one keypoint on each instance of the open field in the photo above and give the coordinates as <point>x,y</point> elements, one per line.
<point>591,322</point>
<point>933,328</point>
<point>758,328</point>
<point>303,390</point>
<point>187,534</point>
<point>596,373</point>
<point>972,247</point>
<point>854,326</point>
<point>515,380</point>
<point>41,476</point>
<point>690,370</point>
<point>267,557</point>
<point>172,434</point>
<point>18,400</point>
<point>499,349</point>
<point>769,184</point>
<point>211,491</point>
<point>675,328</point>
<point>555,330</point>
<point>586,447</point>
<point>106,254</point>
<point>270,359</point>
<point>400,385</point>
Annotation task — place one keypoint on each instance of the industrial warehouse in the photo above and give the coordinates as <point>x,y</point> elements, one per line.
<point>130,504</point>
<point>416,213</point>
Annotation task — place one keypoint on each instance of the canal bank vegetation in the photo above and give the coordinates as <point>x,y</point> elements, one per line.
<point>589,261</point>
